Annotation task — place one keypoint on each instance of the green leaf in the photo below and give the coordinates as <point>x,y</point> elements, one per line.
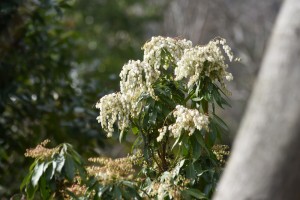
<point>69,167</point>
<point>117,194</point>
<point>60,162</point>
<point>82,171</point>
<point>208,189</point>
<point>201,173</point>
<point>190,171</point>
<point>196,148</point>
<point>30,191</point>
<point>135,130</point>
<point>32,166</point>
<point>197,166</point>
<point>37,173</point>
<point>138,141</point>
<point>46,165</point>
<point>152,117</point>
<point>177,141</point>
<point>219,99</point>
<point>26,180</point>
<point>220,122</point>
<point>197,99</point>
<point>195,193</point>
<point>184,147</point>
<point>204,105</point>
<point>122,136</point>
<point>51,170</point>
<point>128,184</point>
<point>146,116</point>
<point>184,151</point>
<point>44,189</point>
<point>200,140</point>
<point>212,136</point>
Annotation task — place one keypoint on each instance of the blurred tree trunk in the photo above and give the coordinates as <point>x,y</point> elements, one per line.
<point>265,162</point>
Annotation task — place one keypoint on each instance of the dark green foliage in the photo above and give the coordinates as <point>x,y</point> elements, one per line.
<point>50,78</point>
<point>112,32</point>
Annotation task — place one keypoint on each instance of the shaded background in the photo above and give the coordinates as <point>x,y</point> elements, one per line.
<point>57,58</point>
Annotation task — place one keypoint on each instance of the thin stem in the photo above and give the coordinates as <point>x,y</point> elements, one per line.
<point>162,153</point>
<point>156,161</point>
<point>163,157</point>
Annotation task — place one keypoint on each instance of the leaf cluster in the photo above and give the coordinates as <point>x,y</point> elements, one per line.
<point>50,176</point>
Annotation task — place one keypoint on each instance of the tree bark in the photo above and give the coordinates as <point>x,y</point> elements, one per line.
<point>265,161</point>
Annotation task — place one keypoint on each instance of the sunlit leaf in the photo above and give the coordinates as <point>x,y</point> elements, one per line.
<point>37,173</point>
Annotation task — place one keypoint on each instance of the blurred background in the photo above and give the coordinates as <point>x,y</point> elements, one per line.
<point>58,57</point>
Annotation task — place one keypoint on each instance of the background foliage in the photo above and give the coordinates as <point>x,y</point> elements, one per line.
<point>56,59</point>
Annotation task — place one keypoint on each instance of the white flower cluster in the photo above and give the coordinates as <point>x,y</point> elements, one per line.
<point>188,120</point>
<point>112,110</point>
<point>138,77</point>
<point>167,185</point>
<point>153,51</point>
<point>133,83</point>
<point>205,60</point>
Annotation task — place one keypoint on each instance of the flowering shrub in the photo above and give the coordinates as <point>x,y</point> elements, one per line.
<point>167,101</point>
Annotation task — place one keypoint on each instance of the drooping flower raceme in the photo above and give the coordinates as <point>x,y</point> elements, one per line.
<point>157,49</point>
<point>188,120</point>
<point>205,60</point>
<point>132,84</point>
<point>111,111</point>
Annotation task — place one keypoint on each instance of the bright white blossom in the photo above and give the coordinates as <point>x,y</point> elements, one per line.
<point>133,84</point>
<point>156,50</point>
<point>188,120</point>
<point>162,131</point>
<point>205,60</point>
<point>111,111</point>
